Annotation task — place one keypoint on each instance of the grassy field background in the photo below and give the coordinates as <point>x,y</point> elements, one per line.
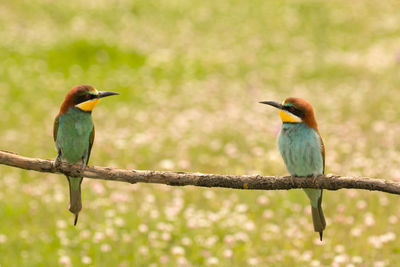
<point>190,74</point>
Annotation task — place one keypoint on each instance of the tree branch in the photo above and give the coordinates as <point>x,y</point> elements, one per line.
<point>258,182</point>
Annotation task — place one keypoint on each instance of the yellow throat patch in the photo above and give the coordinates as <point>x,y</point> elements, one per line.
<point>90,104</point>
<point>287,117</point>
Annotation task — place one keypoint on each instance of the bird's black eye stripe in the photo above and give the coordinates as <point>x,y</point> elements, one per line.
<point>294,111</point>
<point>85,97</point>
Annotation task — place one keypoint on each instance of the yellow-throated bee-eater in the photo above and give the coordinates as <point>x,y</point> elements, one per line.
<point>302,149</point>
<point>74,135</point>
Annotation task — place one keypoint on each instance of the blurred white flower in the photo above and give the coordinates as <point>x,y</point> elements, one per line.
<point>120,197</point>
<point>98,188</point>
<point>164,259</point>
<point>253,261</point>
<point>110,232</point>
<point>213,217</point>
<point>361,204</point>
<point>167,164</point>
<point>186,241</point>
<point>212,261</point>
<point>383,200</point>
<point>59,196</point>
<point>342,258</point>
<point>393,219</point>
<point>178,250</point>
<point>153,235</point>
<point>143,228</point>
<point>231,150</point>
<point>184,164</point>
<point>98,236</point>
<point>258,151</point>
<point>389,236</point>
<point>273,228</point>
<point>64,261</point>
<point>126,238</point>
<point>86,260</point>
<point>293,253</point>
<point>3,238</point>
<point>110,213</point>
<point>349,220</point>
<point>119,221</point>
<point>210,241</point>
<point>241,208</point>
<point>171,212</point>
<point>375,241</point>
<point>241,236</point>
<point>64,241</point>
<point>61,234</point>
<point>105,248</point>
<point>209,194</point>
<point>341,208</point>
<point>205,253</point>
<point>379,264</point>
<point>306,256</point>
<point>339,248</point>
<point>182,261</point>
<point>369,219</point>
<point>228,253</point>
<point>315,263</point>
<point>143,250</point>
<point>150,198</point>
<point>356,259</point>
<point>296,207</point>
<point>268,214</point>
<point>262,200</point>
<point>166,236</point>
<point>229,239</point>
<point>154,214</point>
<point>357,231</point>
<point>164,227</point>
<point>84,234</point>
<point>249,226</point>
<point>318,242</point>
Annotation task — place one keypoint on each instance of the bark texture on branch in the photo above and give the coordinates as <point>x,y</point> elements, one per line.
<point>258,182</point>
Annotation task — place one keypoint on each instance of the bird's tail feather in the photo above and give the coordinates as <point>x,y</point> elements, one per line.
<point>75,202</point>
<point>318,220</point>
<point>316,211</point>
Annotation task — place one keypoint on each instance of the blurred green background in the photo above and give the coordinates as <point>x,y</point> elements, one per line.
<point>190,74</point>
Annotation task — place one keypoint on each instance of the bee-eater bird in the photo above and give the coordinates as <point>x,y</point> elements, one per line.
<point>74,135</point>
<point>302,149</point>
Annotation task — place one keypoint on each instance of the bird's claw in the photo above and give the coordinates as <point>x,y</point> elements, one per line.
<point>314,178</point>
<point>83,166</point>
<point>292,180</point>
<point>57,162</point>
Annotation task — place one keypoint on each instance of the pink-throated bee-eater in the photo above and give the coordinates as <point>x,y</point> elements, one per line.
<point>74,135</point>
<point>302,149</point>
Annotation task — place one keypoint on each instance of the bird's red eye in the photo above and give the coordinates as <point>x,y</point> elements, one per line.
<point>88,96</point>
<point>291,109</point>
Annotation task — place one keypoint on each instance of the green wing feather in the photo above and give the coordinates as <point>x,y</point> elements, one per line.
<point>55,129</point>
<point>322,152</point>
<point>91,140</point>
<point>323,155</point>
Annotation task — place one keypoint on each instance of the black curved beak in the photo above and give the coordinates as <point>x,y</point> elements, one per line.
<point>106,93</point>
<point>272,103</point>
